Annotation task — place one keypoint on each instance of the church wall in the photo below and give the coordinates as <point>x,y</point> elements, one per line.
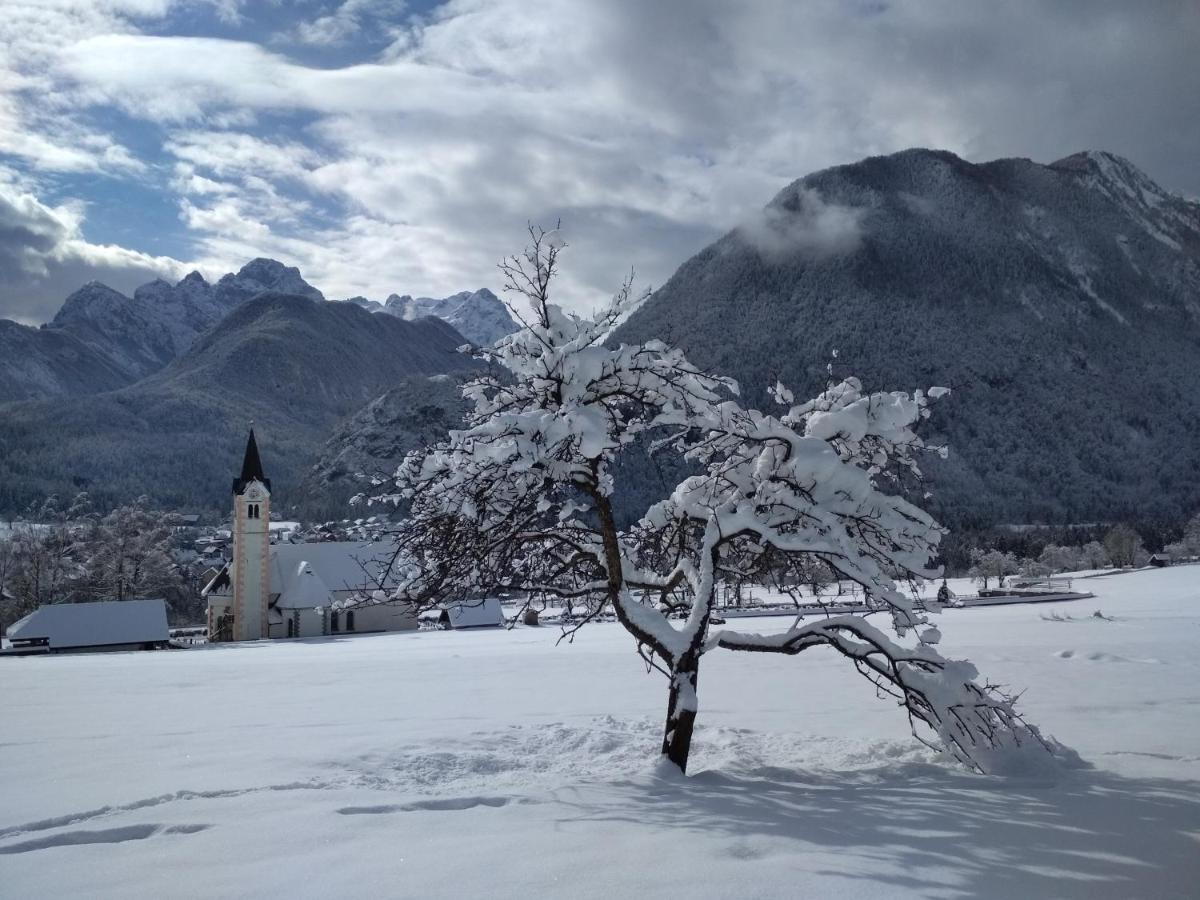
<point>312,623</point>
<point>381,617</point>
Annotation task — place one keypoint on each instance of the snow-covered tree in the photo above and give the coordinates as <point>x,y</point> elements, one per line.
<point>1189,544</point>
<point>988,564</point>
<point>1057,558</point>
<point>128,554</point>
<point>1125,548</point>
<point>1034,568</point>
<point>46,550</point>
<point>521,499</point>
<point>1093,555</point>
<point>65,554</point>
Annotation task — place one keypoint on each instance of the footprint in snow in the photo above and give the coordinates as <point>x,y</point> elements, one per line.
<point>100,836</point>
<point>447,803</point>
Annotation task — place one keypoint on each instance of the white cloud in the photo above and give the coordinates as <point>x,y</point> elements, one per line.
<point>347,21</point>
<point>43,256</point>
<point>37,121</point>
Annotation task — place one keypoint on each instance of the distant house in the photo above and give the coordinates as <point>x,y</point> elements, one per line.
<point>1160,560</point>
<point>472,614</point>
<point>90,627</point>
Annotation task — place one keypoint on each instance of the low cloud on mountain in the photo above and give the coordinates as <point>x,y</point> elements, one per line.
<point>44,257</point>
<point>812,228</point>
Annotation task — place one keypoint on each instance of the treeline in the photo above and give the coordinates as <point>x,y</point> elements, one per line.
<point>66,552</point>
<point>1035,552</point>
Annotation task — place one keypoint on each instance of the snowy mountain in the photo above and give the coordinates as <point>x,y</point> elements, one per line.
<point>1060,302</point>
<point>39,362</point>
<point>480,316</point>
<point>293,365</point>
<point>101,339</point>
<point>127,338</point>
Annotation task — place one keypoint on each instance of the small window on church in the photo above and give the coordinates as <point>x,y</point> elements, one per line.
<point>350,621</point>
<point>333,621</point>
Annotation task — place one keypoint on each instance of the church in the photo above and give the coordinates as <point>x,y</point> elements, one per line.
<point>294,590</point>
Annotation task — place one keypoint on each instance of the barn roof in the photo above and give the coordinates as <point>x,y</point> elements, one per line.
<point>475,613</point>
<point>74,625</point>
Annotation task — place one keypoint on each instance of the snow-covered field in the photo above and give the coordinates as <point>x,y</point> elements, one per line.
<point>497,764</point>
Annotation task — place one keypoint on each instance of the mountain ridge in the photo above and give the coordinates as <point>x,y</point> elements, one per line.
<point>1061,302</point>
<point>293,365</point>
<point>128,338</point>
<point>480,316</point>
<point>101,339</point>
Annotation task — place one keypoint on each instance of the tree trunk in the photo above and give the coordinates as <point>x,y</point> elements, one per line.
<point>681,712</point>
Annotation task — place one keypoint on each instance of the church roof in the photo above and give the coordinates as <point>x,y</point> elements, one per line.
<point>220,584</point>
<point>297,571</point>
<point>252,468</point>
<point>305,591</point>
<point>335,565</point>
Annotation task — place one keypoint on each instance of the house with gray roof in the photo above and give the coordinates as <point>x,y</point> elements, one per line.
<point>90,627</point>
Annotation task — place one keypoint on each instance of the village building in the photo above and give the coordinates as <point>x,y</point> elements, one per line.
<point>286,590</point>
<point>91,627</point>
<point>484,613</point>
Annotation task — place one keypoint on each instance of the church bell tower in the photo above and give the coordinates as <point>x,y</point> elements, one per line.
<point>250,571</point>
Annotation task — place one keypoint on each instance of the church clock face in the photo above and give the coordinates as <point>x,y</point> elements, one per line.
<point>254,494</point>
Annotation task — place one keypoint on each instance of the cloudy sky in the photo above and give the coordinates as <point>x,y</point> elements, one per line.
<point>389,146</point>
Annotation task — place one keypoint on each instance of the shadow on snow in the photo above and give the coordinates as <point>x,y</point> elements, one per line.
<point>936,832</point>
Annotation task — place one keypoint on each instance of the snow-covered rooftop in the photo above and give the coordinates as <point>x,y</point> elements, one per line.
<point>305,591</point>
<point>70,625</point>
<point>476,614</point>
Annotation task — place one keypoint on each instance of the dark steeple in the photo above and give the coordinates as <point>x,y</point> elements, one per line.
<point>252,469</point>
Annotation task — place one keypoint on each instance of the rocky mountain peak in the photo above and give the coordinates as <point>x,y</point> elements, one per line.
<point>92,298</point>
<point>263,274</point>
<point>153,290</point>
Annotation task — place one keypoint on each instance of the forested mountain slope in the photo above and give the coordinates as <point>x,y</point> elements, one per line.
<point>293,365</point>
<point>415,413</point>
<point>39,362</point>
<point>1061,303</point>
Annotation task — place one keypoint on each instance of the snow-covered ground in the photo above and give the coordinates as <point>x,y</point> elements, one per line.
<point>497,764</point>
